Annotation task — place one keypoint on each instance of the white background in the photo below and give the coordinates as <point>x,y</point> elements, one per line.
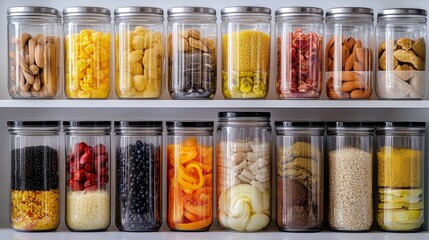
<point>202,112</point>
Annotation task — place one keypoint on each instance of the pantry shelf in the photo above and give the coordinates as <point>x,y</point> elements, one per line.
<point>216,104</point>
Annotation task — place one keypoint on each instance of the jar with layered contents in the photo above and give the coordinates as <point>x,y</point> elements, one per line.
<point>401,53</point>
<point>350,173</point>
<point>300,154</point>
<point>138,175</point>
<point>34,192</point>
<point>87,175</point>
<point>400,175</point>
<point>246,51</point>
<point>243,159</point>
<point>299,33</point>
<point>34,35</point>
<point>191,41</point>
<point>190,176</point>
<point>87,52</point>
<point>139,52</point>
<point>349,36</point>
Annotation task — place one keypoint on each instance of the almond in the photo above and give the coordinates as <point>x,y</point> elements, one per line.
<point>358,44</point>
<point>350,43</point>
<point>29,77</point>
<point>350,61</point>
<point>362,56</point>
<point>357,67</point>
<point>31,49</point>
<point>351,76</point>
<point>345,55</point>
<point>352,85</point>
<point>360,94</point>
<point>330,45</point>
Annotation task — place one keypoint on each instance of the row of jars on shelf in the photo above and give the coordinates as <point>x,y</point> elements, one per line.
<point>191,52</point>
<point>243,158</point>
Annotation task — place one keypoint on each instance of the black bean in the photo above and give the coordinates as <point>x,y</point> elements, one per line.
<point>35,168</point>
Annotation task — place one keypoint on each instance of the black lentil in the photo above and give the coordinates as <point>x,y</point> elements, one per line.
<point>138,187</point>
<point>35,168</point>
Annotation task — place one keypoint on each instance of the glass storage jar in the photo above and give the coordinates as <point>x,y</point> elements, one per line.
<point>87,175</point>
<point>400,168</point>
<point>349,36</point>
<point>299,52</point>
<point>87,52</point>
<point>401,45</point>
<point>139,52</point>
<point>190,176</point>
<point>34,195</point>
<point>245,51</point>
<point>300,154</point>
<point>192,39</point>
<point>34,52</point>
<point>138,175</point>
<point>350,164</point>
<point>243,157</point>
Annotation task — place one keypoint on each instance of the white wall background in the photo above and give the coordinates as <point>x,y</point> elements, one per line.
<point>169,114</point>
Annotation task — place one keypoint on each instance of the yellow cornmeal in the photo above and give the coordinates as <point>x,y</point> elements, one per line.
<point>399,167</point>
<point>34,210</point>
<point>250,51</point>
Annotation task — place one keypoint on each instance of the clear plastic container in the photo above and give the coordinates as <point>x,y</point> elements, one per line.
<point>243,158</point>
<point>349,38</point>
<point>299,52</point>
<point>350,170</point>
<point>400,167</point>
<point>139,52</point>
<point>192,40</point>
<point>401,45</point>
<point>34,192</point>
<point>34,46</point>
<point>87,175</point>
<point>138,175</point>
<point>246,51</point>
<point>190,176</point>
<point>87,52</point>
<point>300,161</point>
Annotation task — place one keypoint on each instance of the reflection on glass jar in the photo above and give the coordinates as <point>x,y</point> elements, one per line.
<point>349,53</point>
<point>401,44</point>
<point>192,48</point>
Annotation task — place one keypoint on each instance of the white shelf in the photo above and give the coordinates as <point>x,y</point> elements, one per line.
<point>212,235</point>
<point>243,104</point>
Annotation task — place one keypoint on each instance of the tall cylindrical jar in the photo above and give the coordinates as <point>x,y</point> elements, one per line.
<point>139,52</point>
<point>300,154</point>
<point>34,46</point>
<point>190,176</point>
<point>138,175</point>
<point>87,52</point>
<point>350,165</point>
<point>349,38</point>
<point>400,175</point>
<point>243,159</point>
<point>299,33</point>
<point>34,192</point>
<point>401,53</point>
<point>246,52</point>
<point>87,175</point>
<point>192,40</point>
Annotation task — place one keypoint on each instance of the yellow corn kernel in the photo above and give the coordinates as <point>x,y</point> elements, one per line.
<point>135,55</point>
<point>138,42</point>
<point>140,82</point>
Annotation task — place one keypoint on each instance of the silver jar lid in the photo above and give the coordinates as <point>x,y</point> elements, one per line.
<point>184,11</point>
<point>298,11</point>
<point>31,11</point>
<point>85,11</point>
<point>135,11</point>
<point>244,10</point>
<point>349,12</point>
<point>401,12</point>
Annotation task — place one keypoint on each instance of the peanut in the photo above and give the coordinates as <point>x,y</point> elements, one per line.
<point>29,62</point>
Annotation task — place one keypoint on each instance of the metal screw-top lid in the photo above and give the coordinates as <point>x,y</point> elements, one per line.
<point>350,12</point>
<point>85,11</point>
<point>189,124</point>
<point>185,11</point>
<point>401,126</point>
<point>401,12</point>
<point>136,11</point>
<point>245,10</point>
<point>31,11</point>
<point>350,126</point>
<point>298,11</point>
<point>34,127</point>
